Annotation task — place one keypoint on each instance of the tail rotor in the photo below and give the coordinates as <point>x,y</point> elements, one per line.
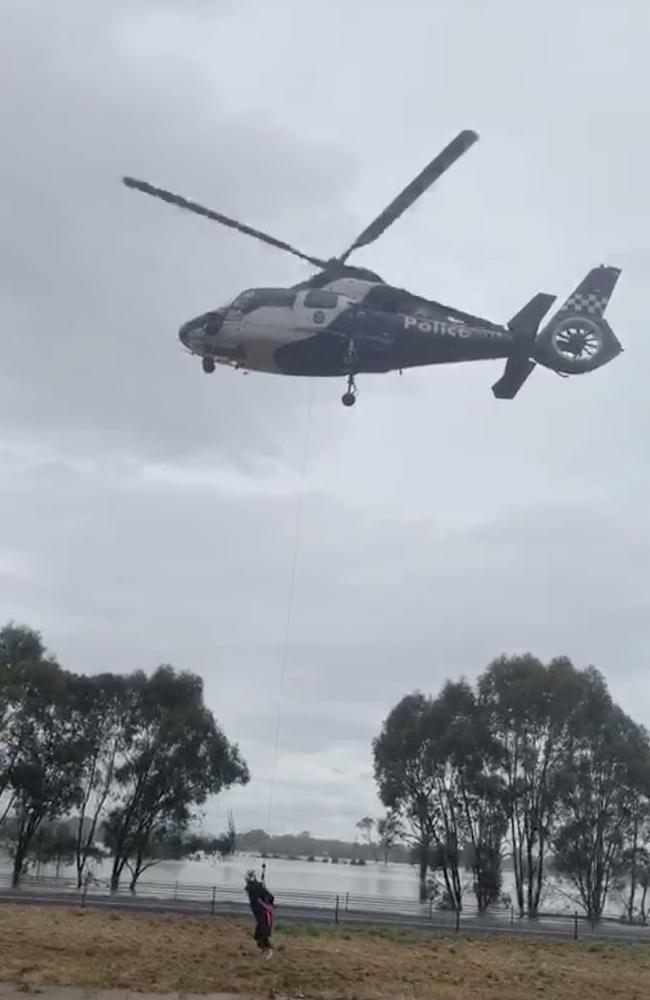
<point>578,339</point>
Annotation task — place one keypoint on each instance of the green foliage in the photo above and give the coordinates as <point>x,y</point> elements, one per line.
<point>609,766</point>
<point>20,646</point>
<point>175,757</point>
<point>54,843</point>
<point>46,750</point>
<point>531,711</point>
<point>430,763</point>
<point>535,758</point>
<point>389,830</point>
<point>133,755</point>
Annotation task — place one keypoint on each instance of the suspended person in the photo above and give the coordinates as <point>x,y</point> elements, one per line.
<point>261,903</point>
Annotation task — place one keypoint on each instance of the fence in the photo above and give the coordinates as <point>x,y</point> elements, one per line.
<point>312,906</point>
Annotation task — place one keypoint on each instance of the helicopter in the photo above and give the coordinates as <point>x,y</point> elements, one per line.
<point>344,320</point>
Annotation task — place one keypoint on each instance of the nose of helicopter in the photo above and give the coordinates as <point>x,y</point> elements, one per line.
<point>184,335</point>
<point>196,330</point>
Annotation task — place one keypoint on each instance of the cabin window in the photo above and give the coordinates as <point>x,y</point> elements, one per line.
<point>255,298</point>
<point>321,298</point>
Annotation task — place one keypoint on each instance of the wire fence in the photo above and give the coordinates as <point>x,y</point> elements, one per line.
<point>312,906</point>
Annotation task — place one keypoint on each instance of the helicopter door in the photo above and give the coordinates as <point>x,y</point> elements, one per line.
<point>315,309</point>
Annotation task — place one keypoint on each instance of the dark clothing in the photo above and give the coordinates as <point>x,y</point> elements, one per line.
<point>261,903</point>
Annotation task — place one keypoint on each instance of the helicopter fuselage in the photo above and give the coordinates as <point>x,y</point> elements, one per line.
<point>349,325</point>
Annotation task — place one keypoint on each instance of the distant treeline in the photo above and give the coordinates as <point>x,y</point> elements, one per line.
<point>112,765</point>
<point>303,845</point>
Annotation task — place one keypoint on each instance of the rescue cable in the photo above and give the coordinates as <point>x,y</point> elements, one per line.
<point>290,603</point>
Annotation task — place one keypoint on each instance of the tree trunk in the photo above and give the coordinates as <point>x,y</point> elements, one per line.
<point>517,860</point>
<point>635,842</point>
<point>19,861</point>
<point>116,872</point>
<point>423,876</point>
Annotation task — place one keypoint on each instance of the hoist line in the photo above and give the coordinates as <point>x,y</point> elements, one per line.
<point>289,618</point>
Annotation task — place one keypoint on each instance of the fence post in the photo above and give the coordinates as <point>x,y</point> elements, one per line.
<point>336,909</point>
<point>457,919</point>
<point>214,898</point>
<point>575,926</point>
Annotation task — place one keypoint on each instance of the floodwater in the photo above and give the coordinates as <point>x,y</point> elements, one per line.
<point>390,882</point>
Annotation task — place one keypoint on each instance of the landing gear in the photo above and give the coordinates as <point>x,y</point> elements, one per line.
<point>349,397</point>
<point>208,365</point>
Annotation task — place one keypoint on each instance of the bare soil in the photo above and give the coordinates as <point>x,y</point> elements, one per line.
<point>49,945</point>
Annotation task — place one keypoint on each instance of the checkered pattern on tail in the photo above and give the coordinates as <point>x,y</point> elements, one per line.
<point>593,293</point>
<point>592,303</point>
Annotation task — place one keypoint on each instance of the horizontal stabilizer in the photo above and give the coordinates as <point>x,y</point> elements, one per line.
<point>515,374</point>
<point>527,320</point>
<point>524,325</point>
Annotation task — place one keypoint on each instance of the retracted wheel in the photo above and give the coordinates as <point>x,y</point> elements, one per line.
<point>208,365</point>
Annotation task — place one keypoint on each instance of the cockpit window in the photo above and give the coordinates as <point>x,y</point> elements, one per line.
<point>389,300</point>
<point>321,298</point>
<point>255,298</point>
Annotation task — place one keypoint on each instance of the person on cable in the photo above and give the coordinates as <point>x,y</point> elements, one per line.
<point>261,903</point>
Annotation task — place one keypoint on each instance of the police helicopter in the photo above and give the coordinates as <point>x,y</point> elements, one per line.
<point>345,320</point>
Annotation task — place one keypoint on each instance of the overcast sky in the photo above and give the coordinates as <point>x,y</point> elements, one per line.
<point>148,512</point>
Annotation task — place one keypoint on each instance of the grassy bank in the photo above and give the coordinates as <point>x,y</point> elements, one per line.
<point>52,945</point>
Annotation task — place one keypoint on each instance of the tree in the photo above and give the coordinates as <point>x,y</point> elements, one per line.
<point>403,774</point>
<point>389,829</point>
<point>103,705</point>
<point>20,649</point>
<point>609,765</point>
<point>418,779</point>
<point>366,826</point>
<point>175,757</point>
<point>642,912</point>
<point>20,645</point>
<point>472,759</point>
<point>168,843</point>
<point>637,852</point>
<point>54,843</point>
<point>47,751</point>
<point>530,711</point>
<point>486,820</point>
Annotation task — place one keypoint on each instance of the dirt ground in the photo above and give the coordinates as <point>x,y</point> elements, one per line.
<point>139,952</point>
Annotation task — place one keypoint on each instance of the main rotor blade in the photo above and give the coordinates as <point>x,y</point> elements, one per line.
<point>412,191</point>
<point>193,206</point>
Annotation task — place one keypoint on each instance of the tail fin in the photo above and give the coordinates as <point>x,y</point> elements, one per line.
<point>592,295</point>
